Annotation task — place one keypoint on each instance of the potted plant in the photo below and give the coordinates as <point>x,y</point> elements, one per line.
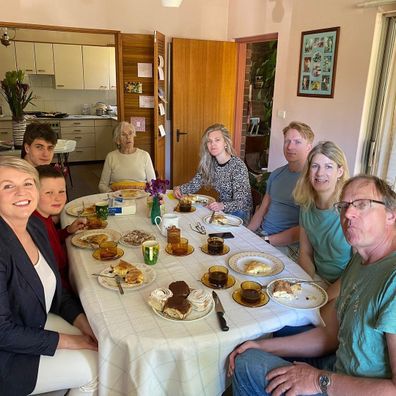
<point>18,96</point>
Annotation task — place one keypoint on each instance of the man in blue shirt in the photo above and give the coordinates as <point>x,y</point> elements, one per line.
<point>278,215</point>
<point>355,354</point>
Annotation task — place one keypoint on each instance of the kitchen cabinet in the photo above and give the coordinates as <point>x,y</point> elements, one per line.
<point>112,69</point>
<point>34,58</point>
<point>83,132</point>
<point>68,66</point>
<point>103,138</point>
<point>44,55</point>
<point>7,59</point>
<point>5,131</point>
<point>96,67</point>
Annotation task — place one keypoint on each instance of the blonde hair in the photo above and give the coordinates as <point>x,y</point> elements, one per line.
<point>20,165</point>
<point>304,130</point>
<point>123,125</point>
<point>304,194</point>
<point>207,162</point>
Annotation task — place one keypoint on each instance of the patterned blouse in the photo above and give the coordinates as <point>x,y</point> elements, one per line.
<point>231,181</point>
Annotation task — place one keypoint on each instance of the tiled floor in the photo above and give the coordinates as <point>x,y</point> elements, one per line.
<point>85,179</point>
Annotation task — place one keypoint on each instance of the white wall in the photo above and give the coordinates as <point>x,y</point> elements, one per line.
<point>201,19</point>
<point>336,119</point>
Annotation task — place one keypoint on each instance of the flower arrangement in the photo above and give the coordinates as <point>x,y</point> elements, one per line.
<point>16,92</point>
<point>156,187</point>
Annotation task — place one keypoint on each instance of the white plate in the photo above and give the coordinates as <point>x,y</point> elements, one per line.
<point>78,239</point>
<point>311,296</point>
<point>128,244</point>
<point>148,274</point>
<point>130,193</point>
<point>191,317</point>
<point>200,200</point>
<point>238,263</point>
<point>75,210</point>
<point>227,219</point>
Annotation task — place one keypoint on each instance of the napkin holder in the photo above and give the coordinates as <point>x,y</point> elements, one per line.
<point>120,207</point>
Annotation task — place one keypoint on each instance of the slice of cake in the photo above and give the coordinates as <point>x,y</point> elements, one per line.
<point>158,298</point>
<point>286,290</point>
<point>177,307</point>
<point>179,288</point>
<point>199,299</point>
<point>257,267</point>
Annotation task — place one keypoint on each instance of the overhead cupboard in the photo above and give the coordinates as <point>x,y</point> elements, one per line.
<point>74,66</point>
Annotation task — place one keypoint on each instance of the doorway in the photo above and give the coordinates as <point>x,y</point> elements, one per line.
<point>256,79</point>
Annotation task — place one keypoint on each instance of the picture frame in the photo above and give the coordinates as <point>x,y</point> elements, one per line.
<point>318,61</point>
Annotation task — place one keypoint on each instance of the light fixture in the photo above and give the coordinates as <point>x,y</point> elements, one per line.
<point>171,3</point>
<point>5,38</point>
<point>374,3</point>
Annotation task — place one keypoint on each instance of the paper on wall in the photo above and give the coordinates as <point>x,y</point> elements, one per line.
<point>146,102</point>
<point>161,130</point>
<point>160,61</point>
<point>161,109</point>
<point>160,73</point>
<point>139,123</point>
<point>145,70</point>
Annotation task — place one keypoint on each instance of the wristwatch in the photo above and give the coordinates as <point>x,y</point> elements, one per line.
<point>324,383</point>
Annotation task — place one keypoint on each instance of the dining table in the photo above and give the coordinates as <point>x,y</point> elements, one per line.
<point>143,353</point>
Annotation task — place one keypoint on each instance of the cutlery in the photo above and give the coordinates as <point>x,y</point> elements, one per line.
<point>212,217</point>
<point>118,280</point>
<point>82,210</point>
<point>220,312</point>
<point>104,275</point>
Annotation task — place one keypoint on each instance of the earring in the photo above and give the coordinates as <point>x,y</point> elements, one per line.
<point>225,146</point>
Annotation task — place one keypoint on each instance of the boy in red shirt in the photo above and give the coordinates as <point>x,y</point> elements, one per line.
<point>51,203</point>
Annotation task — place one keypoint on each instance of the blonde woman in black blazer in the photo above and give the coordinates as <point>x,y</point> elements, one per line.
<point>30,288</point>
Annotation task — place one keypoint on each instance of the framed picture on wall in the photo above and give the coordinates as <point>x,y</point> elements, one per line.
<point>318,60</point>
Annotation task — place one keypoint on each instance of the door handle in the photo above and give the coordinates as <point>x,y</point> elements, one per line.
<point>178,133</point>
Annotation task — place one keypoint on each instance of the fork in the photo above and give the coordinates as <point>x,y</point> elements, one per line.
<point>82,210</point>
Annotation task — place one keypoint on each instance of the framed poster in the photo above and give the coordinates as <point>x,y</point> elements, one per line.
<point>318,60</point>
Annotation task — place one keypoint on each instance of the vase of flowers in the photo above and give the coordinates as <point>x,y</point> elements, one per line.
<point>18,96</point>
<point>156,188</point>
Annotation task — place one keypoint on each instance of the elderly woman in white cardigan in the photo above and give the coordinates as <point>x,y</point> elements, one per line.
<point>127,162</point>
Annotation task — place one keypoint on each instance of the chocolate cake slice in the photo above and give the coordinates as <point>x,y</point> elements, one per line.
<point>179,288</point>
<point>177,307</point>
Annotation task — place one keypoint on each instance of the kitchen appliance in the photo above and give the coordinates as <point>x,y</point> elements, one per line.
<point>100,108</point>
<point>86,109</point>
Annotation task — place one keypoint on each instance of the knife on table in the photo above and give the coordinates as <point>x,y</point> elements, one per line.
<point>220,312</point>
<point>118,281</point>
<point>212,217</point>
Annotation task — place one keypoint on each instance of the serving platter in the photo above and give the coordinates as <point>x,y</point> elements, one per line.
<point>239,261</point>
<point>135,238</point>
<point>106,281</point>
<point>311,296</point>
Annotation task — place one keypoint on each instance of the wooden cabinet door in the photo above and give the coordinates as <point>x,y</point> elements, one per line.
<point>25,57</point>
<point>68,66</point>
<point>204,75</point>
<point>7,59</point>
<point>44,54</point>
<point>96,67</point>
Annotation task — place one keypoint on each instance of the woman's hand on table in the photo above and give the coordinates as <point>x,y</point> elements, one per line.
<point>177,193</point>
<point>68,341</point>
<point>216,206</point>
<point>77,225</point>
<point>237,351</point>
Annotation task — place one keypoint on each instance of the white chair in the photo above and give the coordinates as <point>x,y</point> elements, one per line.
<point>62,150</point>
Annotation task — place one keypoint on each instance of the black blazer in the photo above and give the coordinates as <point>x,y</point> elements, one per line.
<point>22,310</point>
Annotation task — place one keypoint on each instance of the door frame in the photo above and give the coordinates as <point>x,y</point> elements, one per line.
<point>241,71</point>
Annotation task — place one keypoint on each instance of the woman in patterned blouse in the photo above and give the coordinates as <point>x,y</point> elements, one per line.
<point>221,169</point>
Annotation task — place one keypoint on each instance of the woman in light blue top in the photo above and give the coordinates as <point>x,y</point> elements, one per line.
<point>323,247</point>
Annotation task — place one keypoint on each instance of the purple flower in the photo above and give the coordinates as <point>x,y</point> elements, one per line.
<point>156,187</point>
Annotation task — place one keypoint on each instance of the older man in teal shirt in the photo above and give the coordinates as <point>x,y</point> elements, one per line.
<point>356,352</point>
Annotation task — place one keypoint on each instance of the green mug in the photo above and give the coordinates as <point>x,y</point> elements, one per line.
<point>150,250</point>
<point>102,210</point>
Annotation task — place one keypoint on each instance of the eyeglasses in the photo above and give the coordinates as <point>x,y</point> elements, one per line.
<point>359,204</point>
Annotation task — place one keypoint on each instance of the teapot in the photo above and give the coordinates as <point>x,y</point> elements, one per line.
<point>167,220</point>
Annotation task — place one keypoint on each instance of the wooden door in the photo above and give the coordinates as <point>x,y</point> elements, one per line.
<point>204,91</point>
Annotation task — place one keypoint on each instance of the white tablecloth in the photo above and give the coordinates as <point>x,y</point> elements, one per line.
<point>143,354</point>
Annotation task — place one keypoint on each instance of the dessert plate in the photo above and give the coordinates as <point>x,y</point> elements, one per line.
<point>238,298</point>
<point>199,199</point>
<point>106,281</point>
<point>135,238</point>
<point>96,255</point>
<point>80,239</point>
<point>191,317</point>
<point>239,261</point>
<point>80,210</point>
<point>311,296</point>
<point>223,220</point>
<point>193,209</point>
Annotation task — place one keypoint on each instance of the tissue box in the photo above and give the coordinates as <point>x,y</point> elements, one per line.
<point>120,206</point>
